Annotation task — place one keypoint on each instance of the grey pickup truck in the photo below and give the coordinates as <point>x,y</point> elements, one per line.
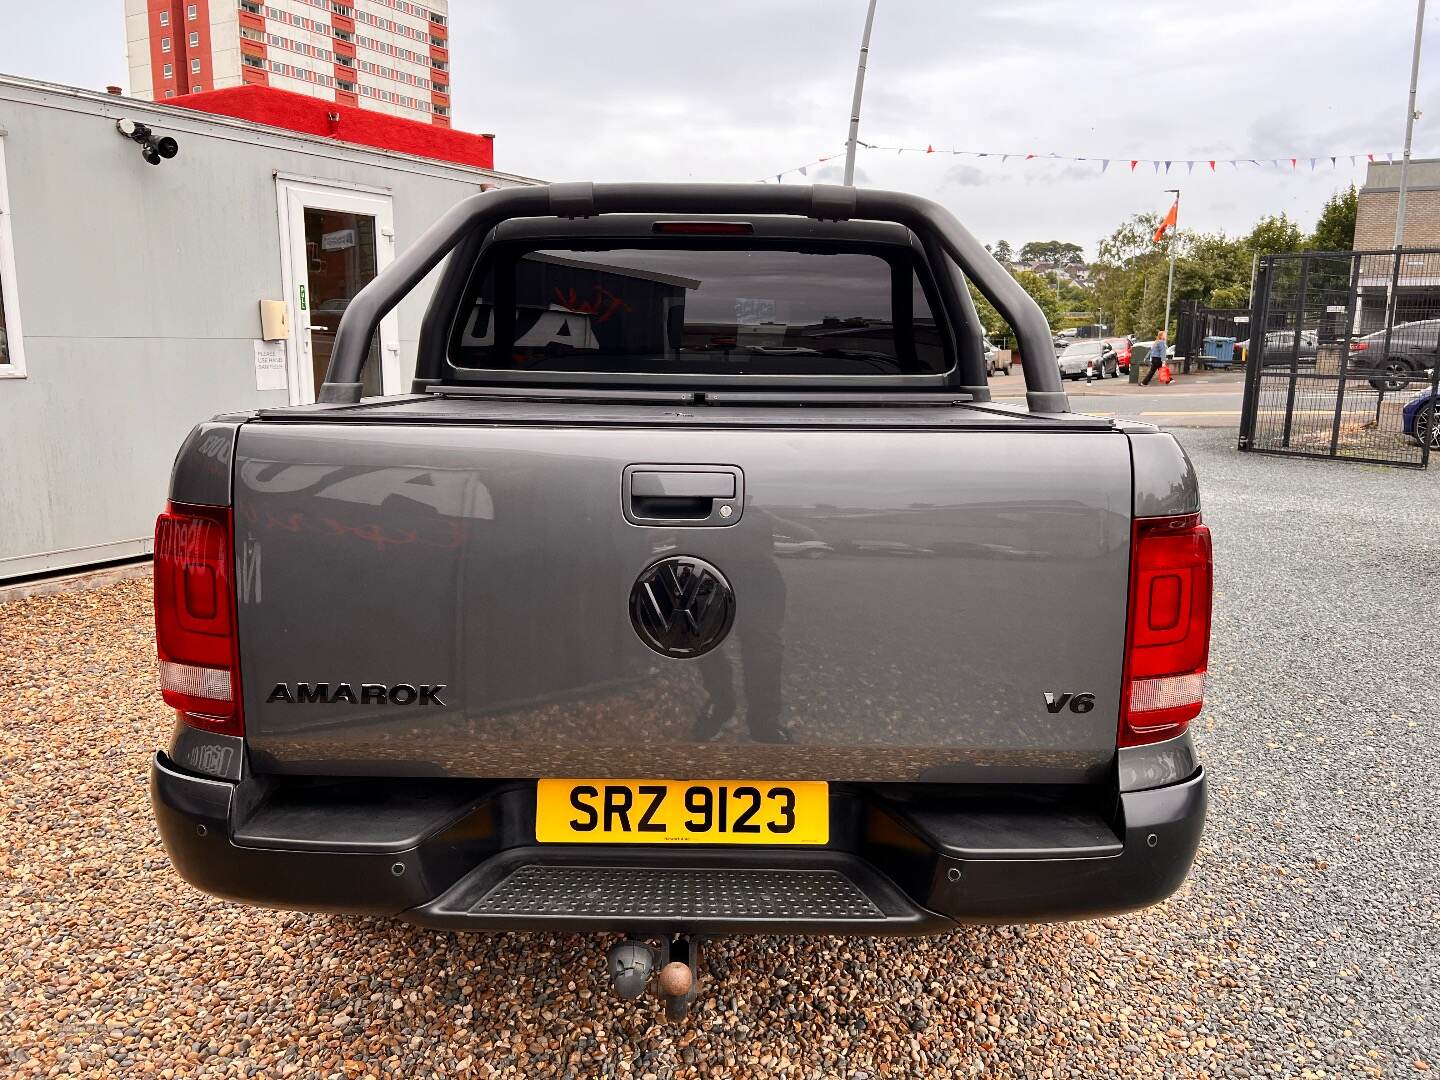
<point>698,587</point>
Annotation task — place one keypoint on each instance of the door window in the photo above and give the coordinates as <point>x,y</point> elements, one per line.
<point>340,261</point>
<point>12,355</point>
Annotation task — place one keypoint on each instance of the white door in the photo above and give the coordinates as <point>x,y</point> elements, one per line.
<point>333,241</point>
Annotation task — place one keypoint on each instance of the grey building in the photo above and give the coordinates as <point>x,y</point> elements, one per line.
<point>133,297</point>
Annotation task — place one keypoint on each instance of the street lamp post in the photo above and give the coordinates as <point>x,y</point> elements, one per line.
<point>1409,128</point>
<point>855,102</point>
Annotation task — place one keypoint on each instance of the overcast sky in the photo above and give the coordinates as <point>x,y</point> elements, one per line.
<point>661,90</point>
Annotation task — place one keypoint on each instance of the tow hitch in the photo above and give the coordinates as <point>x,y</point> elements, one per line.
<point>673,967</point>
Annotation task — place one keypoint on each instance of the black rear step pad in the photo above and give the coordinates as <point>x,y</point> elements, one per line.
<point>731,892</point>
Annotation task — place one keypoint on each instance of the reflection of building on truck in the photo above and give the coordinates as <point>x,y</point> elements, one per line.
<point>562,305</point>
<point>572,304</point>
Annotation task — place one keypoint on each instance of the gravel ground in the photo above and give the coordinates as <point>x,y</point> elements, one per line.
<point>1303,945</point>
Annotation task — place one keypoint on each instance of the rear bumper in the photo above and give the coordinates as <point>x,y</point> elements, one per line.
<point>446,854</point>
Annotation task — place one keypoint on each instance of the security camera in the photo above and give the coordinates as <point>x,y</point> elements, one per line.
<point>153,150</point>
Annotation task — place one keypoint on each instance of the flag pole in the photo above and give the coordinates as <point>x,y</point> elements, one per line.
<point>855,102</point>
<point>1170,285</point>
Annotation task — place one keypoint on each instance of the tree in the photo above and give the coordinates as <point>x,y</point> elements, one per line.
<point>1231,296</point>
<point>1273,235</point>
<point>1058,252</point>
<point>1122,273</point>
<point>1335,231</point>
<point>1042,289</point>
<point>1004,253</point>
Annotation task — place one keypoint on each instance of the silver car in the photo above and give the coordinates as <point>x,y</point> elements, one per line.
<point>1083,354</point>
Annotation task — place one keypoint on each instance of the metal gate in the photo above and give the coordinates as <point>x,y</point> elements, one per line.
<point>1341,360</point>
<point>1198,323</point>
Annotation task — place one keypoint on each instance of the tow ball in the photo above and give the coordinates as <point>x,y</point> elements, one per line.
<point>670,970</point>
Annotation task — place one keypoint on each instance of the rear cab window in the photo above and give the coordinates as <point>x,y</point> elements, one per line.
<point>700,305</point>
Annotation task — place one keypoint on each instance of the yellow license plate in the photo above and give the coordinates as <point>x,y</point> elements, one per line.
<point>682,812</point>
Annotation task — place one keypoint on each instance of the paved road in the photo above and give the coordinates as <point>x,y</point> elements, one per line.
<point>1200,400</point>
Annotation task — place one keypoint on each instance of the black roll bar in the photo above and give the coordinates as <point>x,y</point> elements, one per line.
<point>478,214</point>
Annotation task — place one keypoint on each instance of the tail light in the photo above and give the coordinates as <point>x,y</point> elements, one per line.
<point>195,616</point>
<point>1167,647</point>
<point>1359,346</point>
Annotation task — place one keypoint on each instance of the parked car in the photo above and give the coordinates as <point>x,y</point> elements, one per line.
<point>1096,352</point>
<point>1420,421</point>
<point>525,657</point>
<point>1122,346</point>
<point>1280,348</point>
<point>1411,347</point>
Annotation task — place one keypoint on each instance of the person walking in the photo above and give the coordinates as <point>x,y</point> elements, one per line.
<point>1157,358</point>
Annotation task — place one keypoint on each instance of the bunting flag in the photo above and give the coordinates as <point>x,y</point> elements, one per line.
<point>1276,163</point>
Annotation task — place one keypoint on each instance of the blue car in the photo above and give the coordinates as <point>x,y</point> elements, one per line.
<point>1420,422</point>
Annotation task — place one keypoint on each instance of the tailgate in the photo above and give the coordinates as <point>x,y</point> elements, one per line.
<point>903,602</point>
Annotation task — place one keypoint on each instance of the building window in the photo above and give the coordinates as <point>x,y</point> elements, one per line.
<point>437,18</point>
<point>252,61</point>
<point>195,66</point>
<point>169,93</point>
<point>12,348</point>
<point>197,88</point>
<point>194,38</point>
<point>190,13</point>
<point>251,34</point>
<point>252,7</point>
<point>169,71</point>
<point>164,18</point>
<point>164,44</point>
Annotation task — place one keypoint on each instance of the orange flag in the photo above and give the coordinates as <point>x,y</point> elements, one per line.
<point>1168,222</point>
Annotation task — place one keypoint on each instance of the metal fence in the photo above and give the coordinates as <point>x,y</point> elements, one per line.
<point>1341,358</point>
<point>1197,323</point>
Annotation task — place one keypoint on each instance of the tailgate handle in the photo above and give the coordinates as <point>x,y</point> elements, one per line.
<point>684,485</point>
<point>683,494</point>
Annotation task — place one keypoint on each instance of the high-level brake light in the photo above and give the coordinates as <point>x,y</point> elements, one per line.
<point>706,228</point>
<point>195,616</point>
<point>1167,646</point>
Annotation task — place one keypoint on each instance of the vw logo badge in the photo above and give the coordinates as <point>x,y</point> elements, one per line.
<point>682,606</point>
